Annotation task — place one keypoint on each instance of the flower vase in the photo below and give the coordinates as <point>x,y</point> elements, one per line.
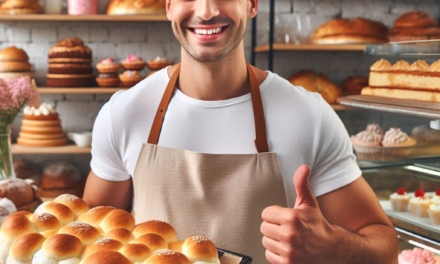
<point>6,165</point>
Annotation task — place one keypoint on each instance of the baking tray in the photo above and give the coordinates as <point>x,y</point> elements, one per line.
<point>229,257</point>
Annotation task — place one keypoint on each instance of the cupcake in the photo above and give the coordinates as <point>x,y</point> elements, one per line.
<point>417,255</point>
<point>130,78</point>
<point>367,139</point>
<point>108,65</point>
<point>374,128</point>
<point>399,200</point>
<point>158,64</point>
<point>434,213</point>
<point>108,80</point>
<point>396,138</point>
<point>436,198</point>
<point>367,143</point>
<point>419,204</point>
<point>133,63</point>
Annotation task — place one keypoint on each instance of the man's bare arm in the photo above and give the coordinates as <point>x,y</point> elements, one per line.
<point>101,192</point>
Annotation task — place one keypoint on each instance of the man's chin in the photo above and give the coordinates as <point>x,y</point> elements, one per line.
<point>207,56</point>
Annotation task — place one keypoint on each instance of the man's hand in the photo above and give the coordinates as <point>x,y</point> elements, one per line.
<point>299,235</point>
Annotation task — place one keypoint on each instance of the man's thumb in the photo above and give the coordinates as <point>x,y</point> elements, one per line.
<point>301,182</point>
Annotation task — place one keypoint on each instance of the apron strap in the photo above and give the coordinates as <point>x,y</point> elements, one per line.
<point>261,143</point>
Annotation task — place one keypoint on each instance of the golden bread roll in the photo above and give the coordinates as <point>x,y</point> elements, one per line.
<point>85,232</point>
<point>198,248</point>
<point>13,54</point>
<point>24,248</point>
<point>152,241</point>
<point>18,191</point>
<point>175,246</point>
<point>45,222</point>
<point>167,257</point>
<point>118,219</point>
<point>49,233</point>
<point>107,257</point>
<point>316,83</point>
<point>101,245</point>
<point>15,66</point>
<point>95,215</point>
<point>76,204</point>
<point>121,234</point>
<point>161,228</point>
<point>60,247</point>
<point>132,7</point>
<point>62,212</point>
<point>136,253</point>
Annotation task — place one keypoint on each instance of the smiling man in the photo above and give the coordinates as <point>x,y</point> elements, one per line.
<point>217,147</point>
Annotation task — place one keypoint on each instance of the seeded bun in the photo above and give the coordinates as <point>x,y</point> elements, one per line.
<point>167,257</point>
<point>85,232</point>
<point>118,219</point>
<point>62,246</point>
<point>62,212</point>
<point>152,241</point>
<point>45,222</point>
<point>95,215</point>
<point>24,248</point>
<point>101,245</point>
<point>121,234</point>
<point>76,204</point>
<point>163,229</point>
<point>107,257</point>
<point>136,252</point>
<point>198,248</point>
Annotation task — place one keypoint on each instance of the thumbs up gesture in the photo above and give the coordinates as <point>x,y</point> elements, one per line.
<point>300,235</point>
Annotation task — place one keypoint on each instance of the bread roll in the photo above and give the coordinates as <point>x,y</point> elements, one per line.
<point>49,233</point>
<point>24,248</point>
<point>26,169</point>
<point>45,222</point>
<point>76,204</point>
<point>134,7</point>
<point>198,248</point>
<point>85,232</point>
<point>95,215</point>
<point>18,191</point>
<point>101,245</point>
<point>118,219</point>
<point>60,247</point>
<point>59,175</point>
<point>107,257</point>
<point>161,228</point>
<point>13,54</point>
<point>175,246</point>
<point>136,253</point>
<point>62,212</point>
<point>121,234</point>
<point>152,241</point>
<point>167,257</point>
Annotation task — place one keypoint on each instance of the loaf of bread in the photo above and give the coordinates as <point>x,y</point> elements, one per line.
<point>136,7</point>
<point>414,25</point>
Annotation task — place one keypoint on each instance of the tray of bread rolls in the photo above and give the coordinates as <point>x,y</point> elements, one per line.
<point>67,231</point>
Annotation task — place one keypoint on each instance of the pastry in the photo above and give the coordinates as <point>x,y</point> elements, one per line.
<point>133,63</point>
<point>14,63</point>
<point>17,7</point>
<point>101,245</point>
<point>24,248</point>
<point>167,256</point>
<point>152,241</point>
<point>366,143</point>
<point>374,128</point>
<point>399,200</point>
<point>419,204</point>
<point>58,178</point>
<point>59,248</point>
<point>316,83</point>
<point>367,139</point>
<point>123,235</point>
<point>136,253</point>
<point>343,31</point>
<point>77,205</point>
<point>199,248</point>
<point>414,25</point>
<point>353,85</point>
<point>396,138</point>
<point>158,64</point>
<point>417,255</point>
<point>434,213</point>
<point>85,232</point>
<point>108,80</point>
<point>108,65</point>
<point>161,228</point>
<point>61,211</point>
<point>130,78</point>
<point>136,7</point>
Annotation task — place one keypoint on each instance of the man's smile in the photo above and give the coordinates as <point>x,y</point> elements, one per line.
<point>208,33</point>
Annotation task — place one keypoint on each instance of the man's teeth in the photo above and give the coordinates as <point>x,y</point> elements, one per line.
<point>208,31</point>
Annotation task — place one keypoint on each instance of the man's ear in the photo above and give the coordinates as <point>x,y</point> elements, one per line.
<point>252,8</point>
<point>168,9</point>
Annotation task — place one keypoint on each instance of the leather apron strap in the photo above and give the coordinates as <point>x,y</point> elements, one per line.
<point>261,143</point>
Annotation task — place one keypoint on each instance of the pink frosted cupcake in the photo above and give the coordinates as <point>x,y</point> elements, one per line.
<point>397,138</point>
<point>133,63</point>
<point>108,65</point>
<point>375,129</point>
<point>417,255</point>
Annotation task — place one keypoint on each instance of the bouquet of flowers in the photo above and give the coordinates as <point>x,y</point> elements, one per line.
<point>14,94</point>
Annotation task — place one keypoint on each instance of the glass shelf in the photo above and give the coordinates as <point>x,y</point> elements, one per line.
<point>407,48</point>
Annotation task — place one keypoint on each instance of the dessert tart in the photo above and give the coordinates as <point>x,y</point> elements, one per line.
<point>108,65</point>
<point>133,63</point>
<point>130,78</point>
<point>108,80</point>
<point>399,200</point>
<point>419,204</point>
<point>158,64</point>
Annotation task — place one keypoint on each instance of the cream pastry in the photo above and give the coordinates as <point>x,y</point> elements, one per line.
<point>399,200</point>
<point>419,204</point>
<point>367,139</point>
<point>397,138</point>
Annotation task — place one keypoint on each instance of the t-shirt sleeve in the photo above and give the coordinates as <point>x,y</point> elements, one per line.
<point>106,158</point>
<point>335,163</point>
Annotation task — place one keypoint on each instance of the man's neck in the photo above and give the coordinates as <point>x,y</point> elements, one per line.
<point>221,80</point>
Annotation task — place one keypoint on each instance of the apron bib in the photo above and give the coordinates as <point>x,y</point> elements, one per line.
<point>219,196</point>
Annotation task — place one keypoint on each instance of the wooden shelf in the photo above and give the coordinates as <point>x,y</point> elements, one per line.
<point>69,149</point>
<point>91,90</point>
<point>65,17</point>
<point>391,105</point>
<point>312,47</point>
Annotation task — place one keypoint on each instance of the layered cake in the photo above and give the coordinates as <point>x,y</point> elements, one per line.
<point>417,81</point>
<point>70,64</point>
<point>414,25</point>
<point>41,128</point>
<point>14,63</point>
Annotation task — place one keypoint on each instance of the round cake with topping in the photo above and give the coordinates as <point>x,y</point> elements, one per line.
<point>130,78</point>
<point>133,63</point>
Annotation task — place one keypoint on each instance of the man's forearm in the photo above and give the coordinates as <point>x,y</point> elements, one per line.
<point>376,244</point>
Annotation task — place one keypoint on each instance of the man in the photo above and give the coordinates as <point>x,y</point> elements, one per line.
<point>201,171</point>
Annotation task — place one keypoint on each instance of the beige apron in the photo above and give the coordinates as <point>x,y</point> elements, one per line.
<point>215,195</point>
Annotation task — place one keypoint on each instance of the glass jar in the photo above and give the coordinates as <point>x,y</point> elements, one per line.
<point>82,7</point>
<point>53,6</point>
<point>6,165</point>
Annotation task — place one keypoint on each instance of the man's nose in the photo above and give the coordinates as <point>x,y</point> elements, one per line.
<point>206,9</point>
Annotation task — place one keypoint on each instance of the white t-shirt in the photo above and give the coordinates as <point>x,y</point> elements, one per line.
<point>301,128</point>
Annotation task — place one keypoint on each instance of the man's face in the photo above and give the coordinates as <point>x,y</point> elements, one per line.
<point>208,29</point>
